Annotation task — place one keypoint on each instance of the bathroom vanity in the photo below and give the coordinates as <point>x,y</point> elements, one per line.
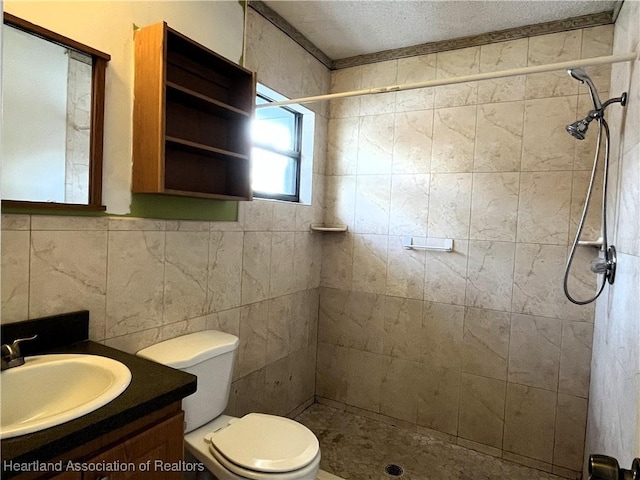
<point>140,430</point>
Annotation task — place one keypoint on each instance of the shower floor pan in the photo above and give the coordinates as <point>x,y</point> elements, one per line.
<point>358,448</point>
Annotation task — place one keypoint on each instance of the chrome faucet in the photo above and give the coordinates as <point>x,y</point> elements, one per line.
<point>11,356</point>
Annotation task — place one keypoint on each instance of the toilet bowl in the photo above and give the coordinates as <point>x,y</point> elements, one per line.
<point>257,447</point>
<point>254,447</point>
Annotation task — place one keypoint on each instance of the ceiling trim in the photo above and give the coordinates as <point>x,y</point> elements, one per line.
<point>273,17</point>
<point>574,23</point>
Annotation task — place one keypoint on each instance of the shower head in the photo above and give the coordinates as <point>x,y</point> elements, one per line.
<point>580,75</point>
<point>578,129</point>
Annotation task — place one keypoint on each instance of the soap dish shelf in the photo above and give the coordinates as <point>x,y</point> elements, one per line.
<point>321,227</point>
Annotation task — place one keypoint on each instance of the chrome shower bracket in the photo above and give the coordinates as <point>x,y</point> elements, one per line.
<point>612,259</point>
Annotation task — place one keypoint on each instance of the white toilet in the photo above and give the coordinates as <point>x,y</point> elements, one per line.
<point>256,446</point>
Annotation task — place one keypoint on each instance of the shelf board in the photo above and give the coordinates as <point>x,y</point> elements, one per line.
<point>209,104</point>
<point>216,196</point>
<point>202,149</point>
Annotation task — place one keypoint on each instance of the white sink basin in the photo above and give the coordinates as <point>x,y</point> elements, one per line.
<point>52,389</point>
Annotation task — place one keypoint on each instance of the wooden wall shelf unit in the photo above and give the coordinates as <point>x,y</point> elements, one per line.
<point>191,119</point>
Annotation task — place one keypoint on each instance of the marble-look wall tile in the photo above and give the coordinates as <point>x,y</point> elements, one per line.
<point>405,270</point>
<point>331,372</point>
<point>183,327</point>
<point>248,393</point>
<point>575,359</point>
<point>256,258</point>
<point>15,222</point>
<point>337,264</point>
<point>252,351</point>
<point>333,315</point>
<point>503,56</point>
<point>364,376</point>
<point>15,274</point>
<point>307,257</point>
<point>136,341</point>
<point>545,202</point>
<point>379,74</point>
<point>485,343</point>
<point>481,417</point>
<point>494,206</point>
<point>402,328</point>
<point>598,42</point>
<point>490,275</point>
<point>68,272</point>
<point>399,389</point>
<point>449,205</point>
<point>498,142</point>
<point>412,141</point>
<point>438,398</point>
<point>342,146</point>
<point>409,205</point>
<point>553,48</point>
<point>135,281</point>
<point>225,270</point>
<point>375,144</point>
<point>529,422</point>
<point>579,187</point>
<point>441,336</point>
<point>445,277</point>
<point>454,63</point>
<point>258,215</point>
<point>571,418</point>
<point>345,80</point>
<point>276,378</point>
<point>370,263</point>
<point>545,143</point>
<point>340,200</point>
<point>133,223</point>
<point>186,275</point>
<point>281,272</point>
<point>454,131</point>
<point>364,326</point>
<point>284,216</point>
<point>534,351</point>
<point>413,70</point>
<point>628,228</point>
<point>227,321</point>
<point>537,283</point>
<point>62,223</point>
<point>279,321</point>
<point>373,195</point>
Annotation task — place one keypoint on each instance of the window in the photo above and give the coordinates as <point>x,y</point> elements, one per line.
<point>282,150</point>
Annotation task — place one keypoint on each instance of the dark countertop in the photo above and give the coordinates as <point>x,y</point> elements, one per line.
<point>153,386</point>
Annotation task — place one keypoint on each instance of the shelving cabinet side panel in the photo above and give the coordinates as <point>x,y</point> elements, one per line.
<point>148,109</point>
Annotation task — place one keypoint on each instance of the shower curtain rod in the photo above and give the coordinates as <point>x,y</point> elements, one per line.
<point>586,62</point>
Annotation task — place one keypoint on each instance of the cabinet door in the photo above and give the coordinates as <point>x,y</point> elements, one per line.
<point>151,454</point>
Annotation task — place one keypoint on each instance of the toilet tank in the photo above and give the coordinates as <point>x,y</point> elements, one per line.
<point>208,355</point>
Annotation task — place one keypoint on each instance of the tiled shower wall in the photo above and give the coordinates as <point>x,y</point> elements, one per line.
<point>149,280</point>
<point>479,345</point>
<point>614,406</point>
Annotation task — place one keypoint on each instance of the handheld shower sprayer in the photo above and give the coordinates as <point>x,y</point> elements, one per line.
<point>605,266</point>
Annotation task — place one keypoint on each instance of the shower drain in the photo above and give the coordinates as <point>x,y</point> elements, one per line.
<point>394,470</point>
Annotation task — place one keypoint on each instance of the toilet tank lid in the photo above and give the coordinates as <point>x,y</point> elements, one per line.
<point>191,349</point>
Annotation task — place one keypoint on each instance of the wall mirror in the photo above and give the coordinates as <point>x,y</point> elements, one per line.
<point>53,92</point>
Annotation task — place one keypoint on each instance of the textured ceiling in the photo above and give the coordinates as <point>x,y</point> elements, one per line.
<point>344,29</point>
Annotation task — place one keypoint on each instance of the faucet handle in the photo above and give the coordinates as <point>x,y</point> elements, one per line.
<point>15,346</point>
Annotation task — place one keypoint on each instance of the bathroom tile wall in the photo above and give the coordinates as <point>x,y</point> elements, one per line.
<point>480,344</point>
<point>614,406</point>
<point>149,280</point>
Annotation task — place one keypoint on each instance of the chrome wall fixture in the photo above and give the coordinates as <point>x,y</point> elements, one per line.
<point>606,265</point>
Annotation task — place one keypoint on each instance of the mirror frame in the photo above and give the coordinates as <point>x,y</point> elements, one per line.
<point>98,73</point>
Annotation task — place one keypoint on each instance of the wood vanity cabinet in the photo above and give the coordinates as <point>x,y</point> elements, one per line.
<point>158,436</point>
<point>191,118</point>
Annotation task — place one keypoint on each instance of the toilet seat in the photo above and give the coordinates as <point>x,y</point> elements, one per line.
<point>263,444</point>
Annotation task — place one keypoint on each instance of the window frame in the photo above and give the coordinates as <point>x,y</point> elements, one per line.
<point>295,154</point>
